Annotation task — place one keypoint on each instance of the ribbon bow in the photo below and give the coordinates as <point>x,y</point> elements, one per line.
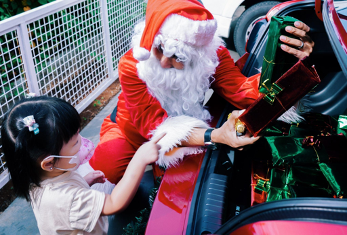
<point>262,185</point>
<point>29,121</point>
<point>311,141</point>
<point>270,94</point>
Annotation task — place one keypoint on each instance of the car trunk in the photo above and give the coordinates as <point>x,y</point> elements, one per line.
<point>226,179</point>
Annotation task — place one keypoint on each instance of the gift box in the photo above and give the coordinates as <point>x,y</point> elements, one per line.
<point>276,61</point>
<point>280,96</point>
<point>311,171</point>
<point>283,80</point>
<point>310,161</point>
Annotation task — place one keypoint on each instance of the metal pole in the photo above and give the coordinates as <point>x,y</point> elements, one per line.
<point>107,39</point>
<point>28,60</point>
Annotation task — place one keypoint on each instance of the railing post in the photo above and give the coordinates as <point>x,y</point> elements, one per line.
<point>28,60</point>
<point>107,39</point>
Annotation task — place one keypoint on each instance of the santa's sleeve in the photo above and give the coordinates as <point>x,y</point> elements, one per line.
<point>150,119</point>
<point>231,84</point>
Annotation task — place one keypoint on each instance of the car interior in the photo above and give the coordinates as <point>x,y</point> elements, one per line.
<point>226,176</point>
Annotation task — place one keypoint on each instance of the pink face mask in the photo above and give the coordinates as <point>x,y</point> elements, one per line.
<point>83,155</point>
<point>86,150</point>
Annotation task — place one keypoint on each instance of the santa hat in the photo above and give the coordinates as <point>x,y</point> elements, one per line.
<point>183,20</point>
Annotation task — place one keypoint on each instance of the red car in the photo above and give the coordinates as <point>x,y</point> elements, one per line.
<point>213,194</point>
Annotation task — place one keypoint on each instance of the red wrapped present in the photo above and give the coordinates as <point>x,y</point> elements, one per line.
<point>281,96</point>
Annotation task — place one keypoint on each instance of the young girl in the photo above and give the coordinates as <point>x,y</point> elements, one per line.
<point>41,141</point>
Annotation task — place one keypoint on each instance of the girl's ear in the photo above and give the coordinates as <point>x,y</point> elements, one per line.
<point>47,164</point>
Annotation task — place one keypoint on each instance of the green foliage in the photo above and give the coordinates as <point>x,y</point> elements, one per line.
<point>97,103</point>
<point>139,225</point>
<point>10,8</point>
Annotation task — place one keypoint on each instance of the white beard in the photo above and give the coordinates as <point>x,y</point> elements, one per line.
<point>180,92</point>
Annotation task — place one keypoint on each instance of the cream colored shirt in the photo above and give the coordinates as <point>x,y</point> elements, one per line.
<point>66,205</point>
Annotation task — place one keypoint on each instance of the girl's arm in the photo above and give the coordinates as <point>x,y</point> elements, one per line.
<point>126,188</point>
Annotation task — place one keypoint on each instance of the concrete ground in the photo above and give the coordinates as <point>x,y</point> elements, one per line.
<point>18,218</point>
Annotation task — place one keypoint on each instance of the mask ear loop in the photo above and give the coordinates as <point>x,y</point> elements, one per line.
<point>62,156</point>
<point>72,161</point>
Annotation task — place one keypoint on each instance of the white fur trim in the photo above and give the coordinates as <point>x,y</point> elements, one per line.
<point>141,53</point>
<point>291,116</point>
<point>177,129</point>
<point>178,154</point>
<point>193,32</point>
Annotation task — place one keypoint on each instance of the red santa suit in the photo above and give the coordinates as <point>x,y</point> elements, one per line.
<point>139,113</point>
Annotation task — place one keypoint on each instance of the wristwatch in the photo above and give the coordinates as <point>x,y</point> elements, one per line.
<point>207,137</point>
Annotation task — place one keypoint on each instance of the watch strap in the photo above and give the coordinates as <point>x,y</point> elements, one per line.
<point>207,137</point>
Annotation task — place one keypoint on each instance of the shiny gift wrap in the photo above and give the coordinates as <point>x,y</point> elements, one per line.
<point>342,126</point>
<point>281,96</point>
<point>310,161</point>
<point>276,61</point>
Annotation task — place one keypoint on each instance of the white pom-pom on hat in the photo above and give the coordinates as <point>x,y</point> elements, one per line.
<point>141,53</point>
<point>196,20</point>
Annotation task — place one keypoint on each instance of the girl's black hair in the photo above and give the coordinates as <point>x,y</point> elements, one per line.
<point>23,150</point>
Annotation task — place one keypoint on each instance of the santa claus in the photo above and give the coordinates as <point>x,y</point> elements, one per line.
<point>176,57</point>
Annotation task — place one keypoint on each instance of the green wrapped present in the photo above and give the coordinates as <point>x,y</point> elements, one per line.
<point>310,161</point>
<point>274,55</point>
<point>316,162</point>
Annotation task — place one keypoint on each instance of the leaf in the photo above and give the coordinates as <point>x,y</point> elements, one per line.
<point>14,5</point>
<point>26,8</point>
<point>19,10</point>
<point>42,2</point>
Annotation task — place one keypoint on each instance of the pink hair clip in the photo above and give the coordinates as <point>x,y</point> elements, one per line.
<point>29,121</point>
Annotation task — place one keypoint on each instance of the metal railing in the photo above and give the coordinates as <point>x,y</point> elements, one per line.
<point>68,49</point>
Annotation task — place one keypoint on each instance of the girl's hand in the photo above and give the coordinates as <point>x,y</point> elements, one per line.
<point>95,177</point>
<point>126,188</point>
<point>226,134</point>
<point>148,152</point>
<point>302,47</point>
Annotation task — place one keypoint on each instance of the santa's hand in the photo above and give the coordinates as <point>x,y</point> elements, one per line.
<point>301,47</point>
<point>95,177</point>
<point>226,134</point>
